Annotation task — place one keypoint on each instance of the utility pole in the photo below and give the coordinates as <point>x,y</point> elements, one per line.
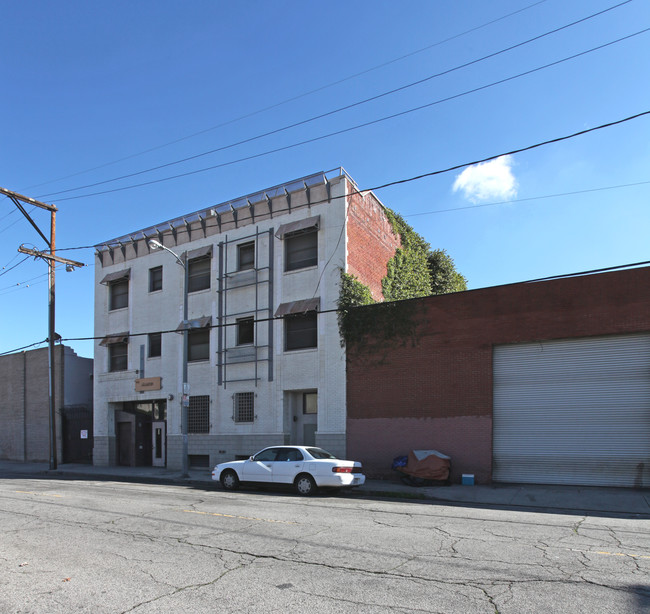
<point>51,259</point>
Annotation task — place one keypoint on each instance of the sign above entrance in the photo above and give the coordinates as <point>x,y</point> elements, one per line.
<point>148,383</point>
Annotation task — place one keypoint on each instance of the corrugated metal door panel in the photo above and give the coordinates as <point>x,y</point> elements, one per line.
<point>573,412</point>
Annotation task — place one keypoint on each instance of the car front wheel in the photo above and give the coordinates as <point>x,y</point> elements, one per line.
<point>305,485</point>
<point>229,480</point>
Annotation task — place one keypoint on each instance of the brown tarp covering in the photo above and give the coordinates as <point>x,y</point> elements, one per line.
<point>427,464</point>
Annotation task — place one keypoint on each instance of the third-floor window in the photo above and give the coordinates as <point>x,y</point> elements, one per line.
<point>300,250</point>
<point>155,278</point>
<point>198,274</point>
<point>246,256</point>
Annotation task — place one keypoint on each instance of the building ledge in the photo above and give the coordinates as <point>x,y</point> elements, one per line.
<point>117,376</point>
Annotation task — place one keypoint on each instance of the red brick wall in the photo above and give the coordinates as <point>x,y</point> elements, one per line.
<point>447,377</point>
<point>371,242</point>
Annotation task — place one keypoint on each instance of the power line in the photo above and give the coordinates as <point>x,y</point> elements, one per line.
<point>591,272</point>
<point>563,276</point>
<point>521,200</point>
<point>358,126</point>
<point>466,164</point>
<point>10,289</point>
<point>329,311</point>
<point>26,281</point>
<point>299,96</point>
<point>8,263</point>
<point>15,286</point>
<point>13,267</point>
<point>25,347</point>
<point>339,109</point>
<point>512,152</point>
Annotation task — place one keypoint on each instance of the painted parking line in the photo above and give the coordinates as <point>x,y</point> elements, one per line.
<point>40,494</point>
<point>239,517</point>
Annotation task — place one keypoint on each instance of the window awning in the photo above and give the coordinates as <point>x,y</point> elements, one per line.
<point>116,338</point>
<point>310,304</point>
<point>298,225</point>
<point>200,252</point>
<point>117,276</point>
<point>195,323</point>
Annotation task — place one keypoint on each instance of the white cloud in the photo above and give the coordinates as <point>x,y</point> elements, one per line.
<point>487,181</point>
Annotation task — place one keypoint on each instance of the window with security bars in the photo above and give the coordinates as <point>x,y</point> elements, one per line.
<point>198,415</point>
<point>244,407</point>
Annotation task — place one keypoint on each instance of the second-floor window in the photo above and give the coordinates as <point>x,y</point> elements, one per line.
<point>118,356</point>
<point>301,331</point>
<point>155,279</point>
<point>198,344</point>
<point>245,331</point>
<point>155,345</point>
<point>118,294</point>
<point>198,274</point>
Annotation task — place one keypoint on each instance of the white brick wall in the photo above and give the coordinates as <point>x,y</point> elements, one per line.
<point>321,369</point>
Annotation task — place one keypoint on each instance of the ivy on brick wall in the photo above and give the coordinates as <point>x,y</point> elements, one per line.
<point>379,326</point>
<point>408,270</point>
<point>413,271</point>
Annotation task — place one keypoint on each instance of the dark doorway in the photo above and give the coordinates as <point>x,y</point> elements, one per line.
<point>147,432</point>
<point>77,434</point>
<point>125,447</point>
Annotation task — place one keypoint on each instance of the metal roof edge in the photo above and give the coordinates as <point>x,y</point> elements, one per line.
<point>213,210</point>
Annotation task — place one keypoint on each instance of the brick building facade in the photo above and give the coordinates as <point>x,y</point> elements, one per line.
<point>439,393</point>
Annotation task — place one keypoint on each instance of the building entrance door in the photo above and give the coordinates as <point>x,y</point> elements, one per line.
<point>305,418</point>
<point>158,439</point>
<point>125,445</point>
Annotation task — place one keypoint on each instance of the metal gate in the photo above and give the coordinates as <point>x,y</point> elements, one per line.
<point>573,412</point>
<point>77,434</point>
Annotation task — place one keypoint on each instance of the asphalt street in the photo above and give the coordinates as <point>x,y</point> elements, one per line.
<point>109,546</point>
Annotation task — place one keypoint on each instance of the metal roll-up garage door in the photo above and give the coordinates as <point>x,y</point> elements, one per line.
<point>573,411</point>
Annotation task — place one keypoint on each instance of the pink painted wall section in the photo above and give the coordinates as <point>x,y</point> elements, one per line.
<point>467,439</point>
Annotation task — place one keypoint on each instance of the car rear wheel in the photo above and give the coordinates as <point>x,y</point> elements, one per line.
<point>305,485</point>
<point>229,480</point>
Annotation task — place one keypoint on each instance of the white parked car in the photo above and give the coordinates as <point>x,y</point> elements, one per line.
<point>306,467</point>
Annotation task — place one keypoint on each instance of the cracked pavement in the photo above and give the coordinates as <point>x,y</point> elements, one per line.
<point>118,547</point>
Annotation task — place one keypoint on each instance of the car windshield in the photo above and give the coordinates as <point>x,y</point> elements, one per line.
<point>320,453</point>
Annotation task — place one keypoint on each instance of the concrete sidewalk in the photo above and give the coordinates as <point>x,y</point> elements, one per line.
<point>589,500</point>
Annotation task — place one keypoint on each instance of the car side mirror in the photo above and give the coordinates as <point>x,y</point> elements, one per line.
<point>250,458</point>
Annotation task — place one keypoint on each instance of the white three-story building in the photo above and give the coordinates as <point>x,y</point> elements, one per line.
<point>259,277</point>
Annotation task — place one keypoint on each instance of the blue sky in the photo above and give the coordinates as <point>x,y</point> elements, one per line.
<point>93,91</point>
